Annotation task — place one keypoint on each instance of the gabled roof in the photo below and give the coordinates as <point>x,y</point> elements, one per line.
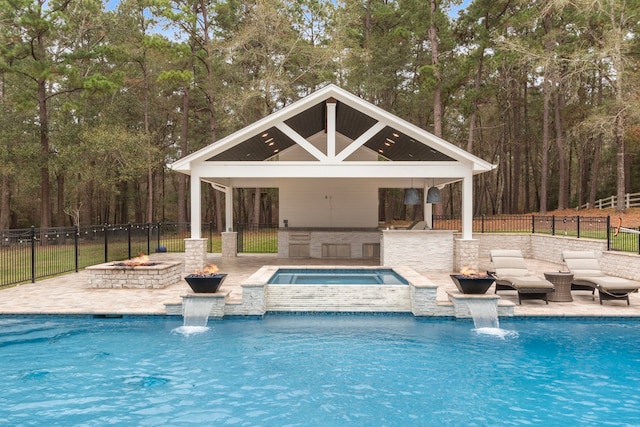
<point>359,125</point>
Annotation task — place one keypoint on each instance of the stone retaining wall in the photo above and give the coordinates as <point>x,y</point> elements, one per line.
<point>549,248</point>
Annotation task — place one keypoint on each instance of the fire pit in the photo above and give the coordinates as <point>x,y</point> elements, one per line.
<point>141,260</point>
<point>471,282</point>
<point>207,281</point>
<point>137,272</point>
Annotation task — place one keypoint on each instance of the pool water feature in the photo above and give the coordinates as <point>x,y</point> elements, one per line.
<point>318,370</point>
<point>196,312</point>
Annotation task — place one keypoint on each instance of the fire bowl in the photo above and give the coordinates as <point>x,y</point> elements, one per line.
<point>472,285</point>
<point>208,284</point>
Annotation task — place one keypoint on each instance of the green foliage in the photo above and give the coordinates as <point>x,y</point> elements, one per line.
<point>110,75</point>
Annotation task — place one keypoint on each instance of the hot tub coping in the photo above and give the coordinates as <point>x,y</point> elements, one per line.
<point>262,276</point>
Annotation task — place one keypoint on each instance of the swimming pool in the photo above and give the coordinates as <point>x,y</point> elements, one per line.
<point>318,370</point>
<point>342,276</point>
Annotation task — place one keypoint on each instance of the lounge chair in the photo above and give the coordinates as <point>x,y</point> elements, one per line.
<point>588,275</point>
<point>511,273</point>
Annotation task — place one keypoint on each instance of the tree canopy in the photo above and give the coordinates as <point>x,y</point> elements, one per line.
<point>95,102</point>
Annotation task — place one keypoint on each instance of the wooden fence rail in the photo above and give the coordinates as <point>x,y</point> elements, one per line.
<point>630,200</point>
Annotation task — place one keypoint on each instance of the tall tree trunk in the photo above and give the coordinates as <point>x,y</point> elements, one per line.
<point>619,129</point>
<point>5,189</point>
<point>544,164</point>
<point>563,168</point>
<point>474,104</point>
<point>256,206</point>
<point>182,178</point>
<point>5,201</point>
<point>61,215</point>
<point>517,143</point>
<point>146,132</point>
<point>528,170</point>
<point>45,184</point>
<point>437,89</point>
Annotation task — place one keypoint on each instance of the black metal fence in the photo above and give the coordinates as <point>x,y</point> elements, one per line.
<point>35,253</point>
<point>627,240</point>
<point>30,254</point>
<point>257,238</point>
<point>571,226</point>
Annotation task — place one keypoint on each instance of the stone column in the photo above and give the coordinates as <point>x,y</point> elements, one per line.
<point>466,254</point>
<point>195,255</point>
<point>229,244</point>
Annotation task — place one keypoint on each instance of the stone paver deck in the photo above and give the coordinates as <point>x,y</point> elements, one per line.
<point>70,294</point>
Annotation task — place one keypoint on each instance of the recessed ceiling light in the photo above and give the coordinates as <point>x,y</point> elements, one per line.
<point>391,141</point>
<point>271,143</point>
<point>268,140</point>
<point>266,134</point>
<point>276,150</point>
<point>396,135</point>
<point>381,151</point>
<point>387,143</point>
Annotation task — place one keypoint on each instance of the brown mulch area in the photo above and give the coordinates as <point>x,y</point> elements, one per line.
<point>630,218</point>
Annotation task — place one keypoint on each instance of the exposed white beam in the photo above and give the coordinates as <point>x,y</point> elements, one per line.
<point>333,170</point>
<point>298,139</point>
<point>360,141</point>
<point>331,129</point>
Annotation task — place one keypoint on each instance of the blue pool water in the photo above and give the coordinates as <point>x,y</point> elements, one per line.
<point>318,371</point>
<point>342,276</point>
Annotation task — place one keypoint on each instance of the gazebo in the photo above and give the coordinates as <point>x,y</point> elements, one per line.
<point>328,154</point>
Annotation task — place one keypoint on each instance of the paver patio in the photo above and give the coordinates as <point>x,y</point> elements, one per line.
<point>69,294</point>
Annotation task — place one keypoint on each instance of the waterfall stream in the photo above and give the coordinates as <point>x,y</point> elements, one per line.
<point>196,315</point>
<point>485,317</point>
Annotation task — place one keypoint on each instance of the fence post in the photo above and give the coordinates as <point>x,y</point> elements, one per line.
<point>239,238</point>
<point>158,245</point>
<point>106,243</point>
<point>482,222</point>
<point>33,254</point>
<point>129,241</point>
<point>210,243</point>
<point>148,238</point>
<point>608,233</point>
<point>533,224</point>
<point>553,225</point>
<point>578,226</point>
<point>76,241</point>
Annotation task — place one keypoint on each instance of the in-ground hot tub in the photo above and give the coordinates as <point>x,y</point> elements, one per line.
<point>337,276</point>
<point>339,289</point>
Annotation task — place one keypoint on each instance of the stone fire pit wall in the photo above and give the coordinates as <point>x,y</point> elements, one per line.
<point>110,276</point>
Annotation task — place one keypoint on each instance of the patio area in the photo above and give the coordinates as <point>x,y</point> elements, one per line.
<point>70,293</point>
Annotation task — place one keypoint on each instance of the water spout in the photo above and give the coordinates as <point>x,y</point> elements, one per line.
<point>195,315</point>
<point>485,317</point>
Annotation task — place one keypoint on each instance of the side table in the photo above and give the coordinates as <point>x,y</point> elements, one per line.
<point>562,285</point>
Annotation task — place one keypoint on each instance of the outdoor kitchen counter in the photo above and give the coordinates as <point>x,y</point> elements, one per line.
<point>330,243</point>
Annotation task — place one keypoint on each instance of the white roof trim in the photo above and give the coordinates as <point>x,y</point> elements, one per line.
<point>186,163</point>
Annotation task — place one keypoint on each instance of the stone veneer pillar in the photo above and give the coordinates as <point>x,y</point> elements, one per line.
<point>195,255</point>
<point>229,244</point>
<point>467,254</point>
